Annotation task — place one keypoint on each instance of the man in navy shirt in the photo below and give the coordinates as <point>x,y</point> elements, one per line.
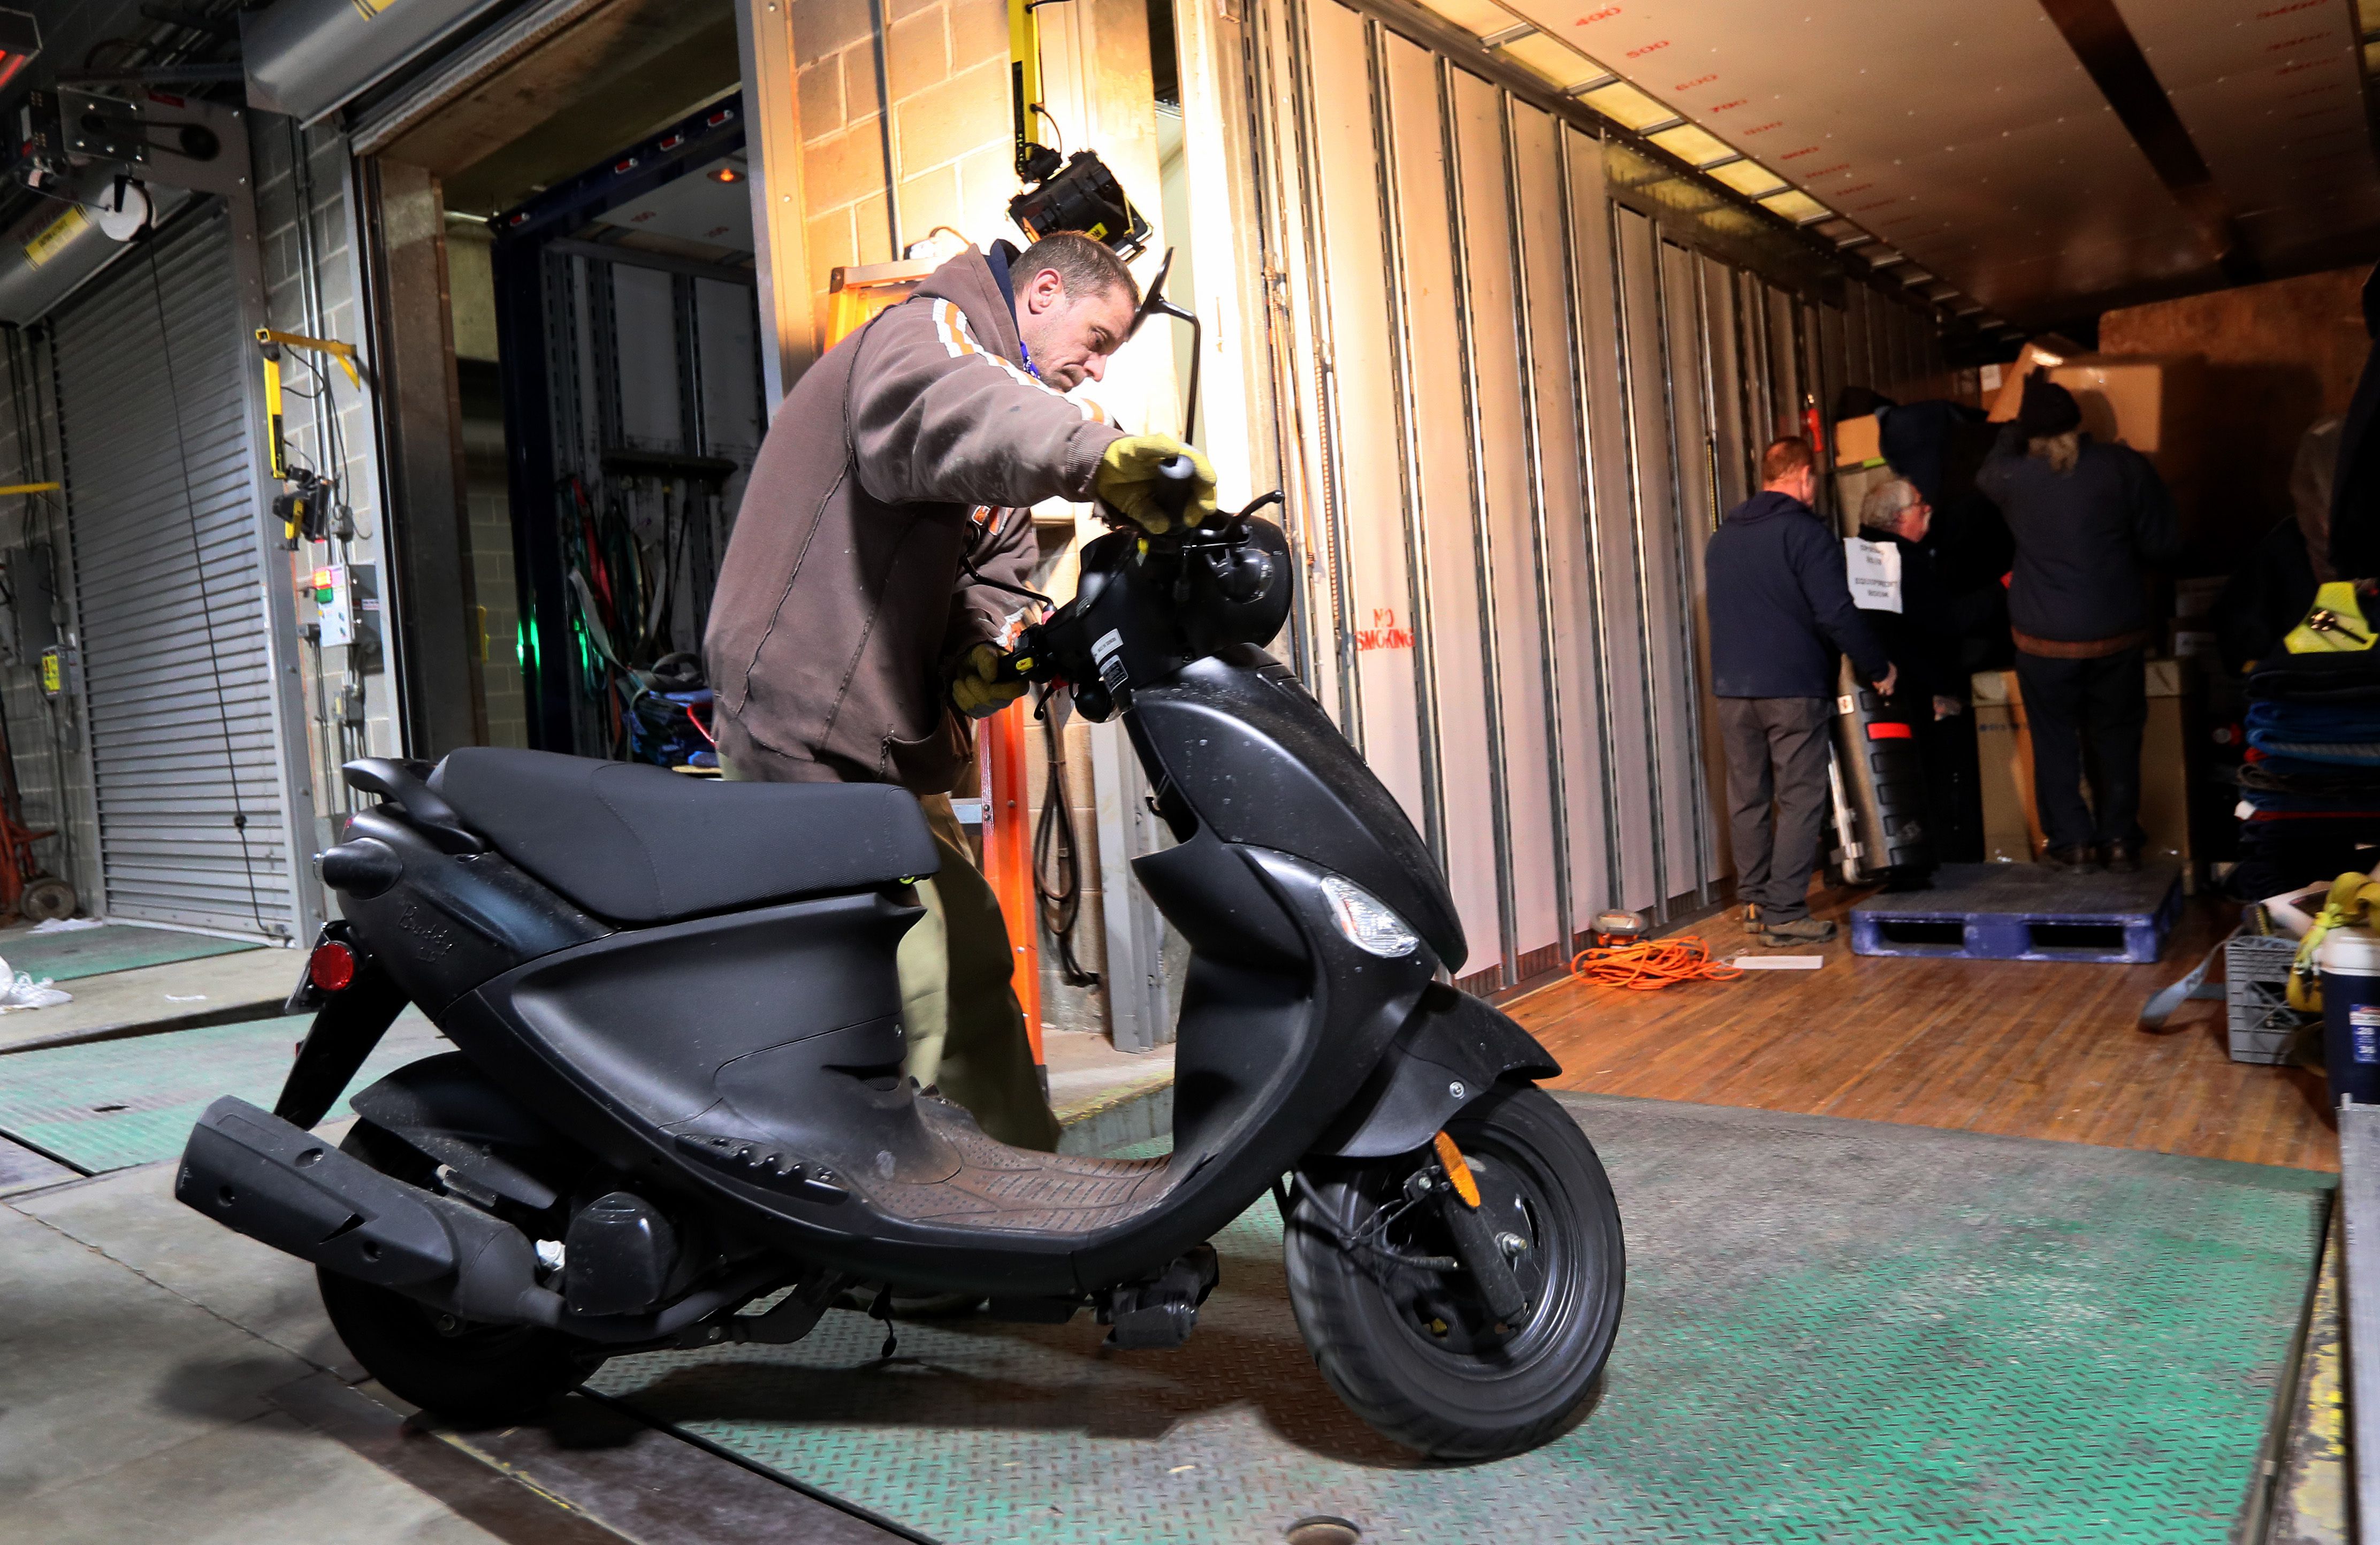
<point>1780,611</point>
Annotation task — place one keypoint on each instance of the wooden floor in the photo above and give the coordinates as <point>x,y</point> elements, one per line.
<point>2028,1049</point>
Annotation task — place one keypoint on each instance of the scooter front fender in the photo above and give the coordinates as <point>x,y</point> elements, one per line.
<point>1454,1049</point>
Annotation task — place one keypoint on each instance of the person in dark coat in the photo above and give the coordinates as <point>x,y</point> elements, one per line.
<point>1919,638</point>
<point>2089,521</point>
<point>1926,641</point>
<point>2353,539</point>
<point>1780,612</point>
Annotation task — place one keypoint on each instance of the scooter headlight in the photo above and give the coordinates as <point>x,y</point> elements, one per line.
<point>1365,920</point>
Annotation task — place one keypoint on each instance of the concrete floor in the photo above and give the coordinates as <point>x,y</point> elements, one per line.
<point>162,1377</point>
<point>221,989</point>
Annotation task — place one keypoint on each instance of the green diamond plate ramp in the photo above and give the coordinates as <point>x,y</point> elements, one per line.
<point>1836,1330</point>
<point>111,1105</point>
<point>116,946</point>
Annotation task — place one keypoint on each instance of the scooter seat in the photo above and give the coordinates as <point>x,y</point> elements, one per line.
<point>642,845</point>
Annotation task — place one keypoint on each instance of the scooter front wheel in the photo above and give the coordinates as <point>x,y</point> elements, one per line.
<point>1409,1342</point>
<point>470,1374</point>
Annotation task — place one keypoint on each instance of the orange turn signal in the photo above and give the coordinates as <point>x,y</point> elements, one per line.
<point>1457,1170</point>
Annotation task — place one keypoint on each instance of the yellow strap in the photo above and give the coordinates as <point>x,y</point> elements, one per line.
<point>1024,63</point>
<point>2354,899</point>
<point>2334,625</point>
<point>31,488</point>
<point>272,415</point>
<point>344,353</point>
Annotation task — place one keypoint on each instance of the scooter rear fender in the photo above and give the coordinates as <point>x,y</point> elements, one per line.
<point>448,1110</point>
<point>345,1030</point>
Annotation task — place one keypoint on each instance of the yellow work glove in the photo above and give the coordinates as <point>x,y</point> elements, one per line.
<point>972,691</point>
<point>1127,481</point>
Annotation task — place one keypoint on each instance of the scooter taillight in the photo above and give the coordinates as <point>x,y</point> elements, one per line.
<point>331,966</point>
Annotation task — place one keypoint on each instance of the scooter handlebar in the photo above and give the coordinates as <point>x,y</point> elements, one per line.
<point>1180,476</point>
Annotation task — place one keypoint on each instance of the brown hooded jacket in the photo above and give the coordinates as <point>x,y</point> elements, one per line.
<point>913,444</point>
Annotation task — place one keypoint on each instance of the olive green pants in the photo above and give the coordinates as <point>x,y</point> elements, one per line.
<point>966,1029</point>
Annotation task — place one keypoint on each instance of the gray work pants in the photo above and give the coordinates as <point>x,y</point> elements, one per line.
<point>1776,752</point>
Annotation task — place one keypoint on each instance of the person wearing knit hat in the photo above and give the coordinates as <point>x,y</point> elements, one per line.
<point>2050,419</point>
<point>2090,520</point>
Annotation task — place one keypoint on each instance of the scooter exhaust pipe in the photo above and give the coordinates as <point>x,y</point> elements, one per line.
<point>290,1189</point>
<point>284,1187</point>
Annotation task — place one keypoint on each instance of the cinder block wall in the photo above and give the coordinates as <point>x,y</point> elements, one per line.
<point>948,160</point>
<point>306,228</point>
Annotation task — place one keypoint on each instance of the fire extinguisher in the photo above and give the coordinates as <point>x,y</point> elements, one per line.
<point>1821,462</point>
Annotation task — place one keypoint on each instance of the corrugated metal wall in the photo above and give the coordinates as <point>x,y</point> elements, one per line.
<point>175,674</point>
<point>1512,408</point>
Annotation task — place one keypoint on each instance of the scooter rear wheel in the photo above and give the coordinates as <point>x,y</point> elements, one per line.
<point>1414,1350</point>
<point>470,1374</point>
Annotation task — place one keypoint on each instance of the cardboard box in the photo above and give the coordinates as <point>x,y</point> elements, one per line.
<point>2004,752</point>
<point>1857,441</point>
<point>1851,486</point>
<point>2004,758</point>
<point>2155,403</point>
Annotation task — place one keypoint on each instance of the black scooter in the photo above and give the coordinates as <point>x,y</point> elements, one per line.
<point>678,1090</point>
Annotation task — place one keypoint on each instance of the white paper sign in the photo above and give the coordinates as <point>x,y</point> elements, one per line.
<point>1874,575</point>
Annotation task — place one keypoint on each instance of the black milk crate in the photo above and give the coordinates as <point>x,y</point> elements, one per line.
<point>2256,997</point>
<point>2024,912</point>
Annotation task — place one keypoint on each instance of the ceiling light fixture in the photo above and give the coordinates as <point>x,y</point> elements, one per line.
<point>1747,177</point>
<point>1626,106</point>
<point>724,174</point>
<point>1796,206</point>
<point>1560,64</point>
<point>1696,147</point>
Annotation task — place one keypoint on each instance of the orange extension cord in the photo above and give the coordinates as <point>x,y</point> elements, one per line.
<point>1649,965</point>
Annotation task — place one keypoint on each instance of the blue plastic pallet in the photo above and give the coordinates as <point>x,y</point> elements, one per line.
<point>2024,912</point>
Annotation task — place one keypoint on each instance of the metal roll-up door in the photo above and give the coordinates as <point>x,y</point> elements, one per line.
<point>1456,436</point>
<point>176,667</point>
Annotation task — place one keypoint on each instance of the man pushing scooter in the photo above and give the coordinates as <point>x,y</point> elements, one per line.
<point>879,562</point>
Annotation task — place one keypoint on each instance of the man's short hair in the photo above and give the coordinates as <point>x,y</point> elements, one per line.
<point>1884,504</point>
<point>1785,457</point>
<point>1086,266</point>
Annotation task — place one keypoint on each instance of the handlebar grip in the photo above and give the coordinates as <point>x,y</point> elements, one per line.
<point>1179,476</point>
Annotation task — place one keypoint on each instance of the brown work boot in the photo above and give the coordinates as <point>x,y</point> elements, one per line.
<point>1751,917</point>
<point>2123,856</point>
<point>1802,930</point>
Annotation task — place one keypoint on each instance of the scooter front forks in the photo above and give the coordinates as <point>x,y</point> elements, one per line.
<point>1476,1243</point>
